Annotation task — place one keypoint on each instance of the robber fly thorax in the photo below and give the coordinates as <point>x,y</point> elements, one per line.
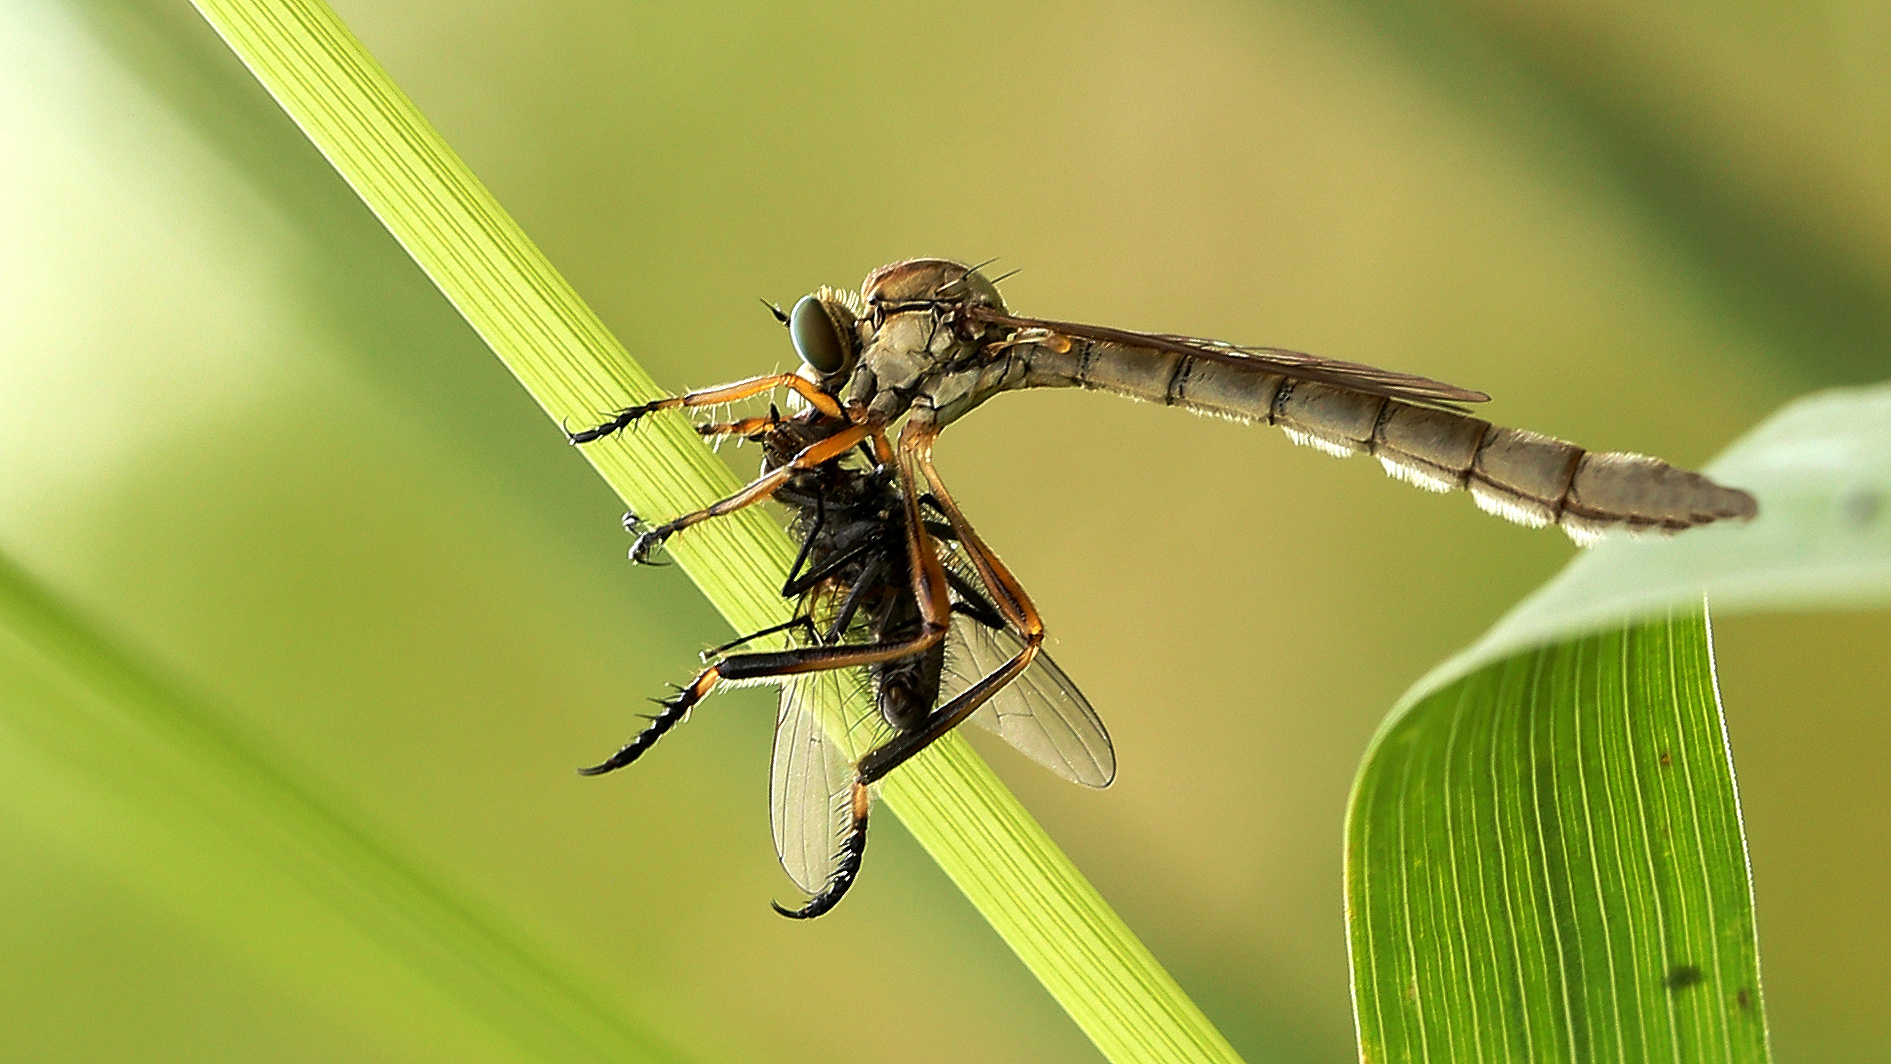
<point>920,350</point>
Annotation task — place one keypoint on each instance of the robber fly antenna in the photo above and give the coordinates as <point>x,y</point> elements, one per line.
<point>775,309</point>
<point>1003,276</point>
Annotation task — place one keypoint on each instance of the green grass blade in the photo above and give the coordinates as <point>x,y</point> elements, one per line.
<point>528,314</point>
<point>1544,852</point>
<point>238,843</point>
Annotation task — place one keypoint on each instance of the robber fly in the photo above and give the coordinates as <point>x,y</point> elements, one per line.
<point>895,590</point>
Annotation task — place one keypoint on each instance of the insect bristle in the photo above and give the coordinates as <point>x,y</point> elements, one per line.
<point>845,297</point>
<point>1336,448</point>
<point>1509,509</point>
<point>1414,476</point>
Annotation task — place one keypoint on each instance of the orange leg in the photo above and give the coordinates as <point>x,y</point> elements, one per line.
<point>1008,595</point>
<point>727,393</point>
<point>929,587</point>
<point>935,609</point>
<point>747,426</point>
<point>815,454</point>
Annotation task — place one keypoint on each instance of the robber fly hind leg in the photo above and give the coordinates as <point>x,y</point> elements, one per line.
<point>852,850</point>
<point>763,665</point>
<point>930,592</point>
<point>1006,595</point>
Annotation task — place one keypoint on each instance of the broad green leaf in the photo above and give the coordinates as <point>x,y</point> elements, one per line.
<point>1547,864</point>
<point>1544,853</point>
<point>520,305</point>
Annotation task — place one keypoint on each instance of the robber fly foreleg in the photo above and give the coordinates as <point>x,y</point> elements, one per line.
<point>812,456</point>
<point>727,393</point>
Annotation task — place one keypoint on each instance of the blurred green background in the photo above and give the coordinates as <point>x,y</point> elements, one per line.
<point>246,436</point>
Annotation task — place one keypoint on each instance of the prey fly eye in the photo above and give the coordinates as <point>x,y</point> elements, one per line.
<point>822,339</point>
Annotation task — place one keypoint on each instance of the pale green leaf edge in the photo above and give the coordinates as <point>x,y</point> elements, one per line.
<point>1029,891</point>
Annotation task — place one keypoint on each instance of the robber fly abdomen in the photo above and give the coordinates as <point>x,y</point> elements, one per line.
<point>1523,476</point>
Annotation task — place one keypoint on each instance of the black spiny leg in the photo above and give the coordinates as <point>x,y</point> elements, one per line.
<point>674,712</point>
<point>802,623</point>
<point>761,665</point>
<point>623,420</point>
<point>844,617</point>
<point>843,878</point>
<point>807,544</point>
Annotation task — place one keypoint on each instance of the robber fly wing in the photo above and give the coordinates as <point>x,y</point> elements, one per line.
<point>1042,712</point>
<point>809,780</point>
<point>1354,375</point>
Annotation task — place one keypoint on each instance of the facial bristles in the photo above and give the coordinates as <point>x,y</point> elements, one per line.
<point>845,297</point>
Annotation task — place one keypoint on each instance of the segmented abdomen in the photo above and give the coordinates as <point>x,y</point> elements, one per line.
<point>1526,477</point>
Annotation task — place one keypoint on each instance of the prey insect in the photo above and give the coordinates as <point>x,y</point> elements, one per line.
<point>886,600</point>
<point>895,592</point>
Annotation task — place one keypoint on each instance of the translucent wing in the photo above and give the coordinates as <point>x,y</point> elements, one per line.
<point>1041,712</point>
<point>1354,375</point>
<point>810,779</point>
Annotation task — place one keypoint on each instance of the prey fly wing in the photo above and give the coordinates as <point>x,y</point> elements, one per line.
<point>1041,713</point>
<point>810,778</point>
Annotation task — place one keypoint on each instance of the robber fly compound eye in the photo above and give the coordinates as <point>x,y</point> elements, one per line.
<point>821,338</point>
